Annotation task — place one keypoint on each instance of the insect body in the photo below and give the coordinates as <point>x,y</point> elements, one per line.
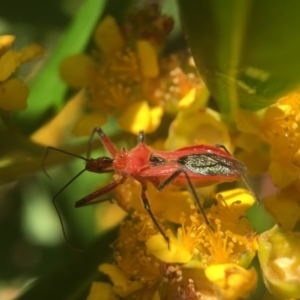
<point>194,166</point>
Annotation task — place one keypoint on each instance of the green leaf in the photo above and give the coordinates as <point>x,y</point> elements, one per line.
<point>247,52</point>
<point>73,280</point>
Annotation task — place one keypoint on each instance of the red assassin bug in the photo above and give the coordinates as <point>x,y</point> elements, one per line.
<point>192,166</point>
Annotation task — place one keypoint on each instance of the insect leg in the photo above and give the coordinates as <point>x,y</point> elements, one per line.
<point>146,203</point>
<point>105,141</point>
<point>191,188</point>
<point>58,213</point>
<point>223,148</point>
<point>244,177</point>
<point>85,201</point>
<point>90,199</point>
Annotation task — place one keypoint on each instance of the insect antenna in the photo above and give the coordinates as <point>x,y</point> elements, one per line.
<point>244,177</point>
<point>59,215</point>
<point>58,150</point>
<point>248,185</point>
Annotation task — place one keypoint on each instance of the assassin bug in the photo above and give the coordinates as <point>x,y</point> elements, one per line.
<point>193,166</point>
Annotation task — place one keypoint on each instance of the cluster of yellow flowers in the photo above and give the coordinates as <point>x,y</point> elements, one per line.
<point>198,264</point>
<point>13,91</point>
<point>274,147</point>
<point>126,76</point>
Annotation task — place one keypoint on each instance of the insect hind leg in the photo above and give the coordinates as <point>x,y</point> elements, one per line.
<point>191,189</point>
<point>244,177</point>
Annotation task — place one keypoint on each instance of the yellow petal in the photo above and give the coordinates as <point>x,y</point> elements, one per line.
<point>116,275</point>
<point>284,207</point>
<point>155,118</point>
<point>136,117</point>
<point>9,62</point>
<point>101,291</point>
<point>273,112</point>
<point>13,94</point>
<point>188,99</point>
<point>206,129</point>
<point>169,203</point>
<point>79,70</point>
<point>123,286</point>
<point>241,199</point>
<point>248,121</point>
<point>31,52</point>
<point>156,296</point>
<point>5,42</point>
<point>283,174</point>
<point>148,59</point>
<point>233,281</point>
<point>172,253</point>
<point>243,141</point>
<point>257,161</point>
<point>132,287</point>
<point>57,130</point>
<point>86,123</point>
<point>108,36</point>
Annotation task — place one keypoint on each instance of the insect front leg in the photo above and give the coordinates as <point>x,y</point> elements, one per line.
<point>90,199</point>
<point>146,203</point>
<point>105,141</point>
<point>191,189</point>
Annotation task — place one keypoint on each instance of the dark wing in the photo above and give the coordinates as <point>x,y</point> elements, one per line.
<point>211,164</point>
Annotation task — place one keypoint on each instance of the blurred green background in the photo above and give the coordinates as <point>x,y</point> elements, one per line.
<point>32,243</point>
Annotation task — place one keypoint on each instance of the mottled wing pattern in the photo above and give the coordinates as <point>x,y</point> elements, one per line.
<point>211,164</point>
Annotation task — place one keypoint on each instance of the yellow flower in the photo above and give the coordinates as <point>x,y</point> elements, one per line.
<point>233,281</point>
<point>126,76</point>
<point>279,258</point>
<point>13,91</point>
<point>233,240</point>
<point>207,127</point>
<point>274,135</point>
<point>275,143</point>
<point>139,116</point>
<point>137,272</point>
<point>255,152</point>
<point>281,129</point>
<point>147,267</point>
